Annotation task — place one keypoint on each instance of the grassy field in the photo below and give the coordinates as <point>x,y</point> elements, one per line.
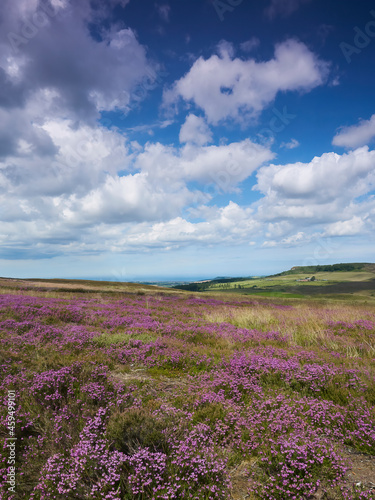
<point>321,279</point>
<point>358,282</point>
<point>119,391</point>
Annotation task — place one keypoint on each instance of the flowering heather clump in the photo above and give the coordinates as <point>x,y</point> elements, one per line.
<point>294,465</point>
<point>193,470</point>
<point>129,396</point>
<point>89,471</point>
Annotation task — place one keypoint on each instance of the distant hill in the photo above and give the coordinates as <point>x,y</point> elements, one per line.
<point>329,268</point>
<point>201,286</point>
<point>330,278</point>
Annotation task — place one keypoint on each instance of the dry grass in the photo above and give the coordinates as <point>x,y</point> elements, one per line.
<point>306,324</point>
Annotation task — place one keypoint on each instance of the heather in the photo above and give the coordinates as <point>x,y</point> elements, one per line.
<point>180,395</point>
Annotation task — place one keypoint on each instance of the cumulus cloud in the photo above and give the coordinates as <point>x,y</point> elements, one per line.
<point>319,198</point>
<point>231,224</point>
<point>356,135</point>
<point>225,87</point>
<point>55,158</point>
<point>141,209</point>
<point>86,178</point>
<point>61,172</point>
<point>136,198</point>
<point>325,179</point>
<point>20,137</point>
<point>345,228</point>
<point>48,46</point>
<point>228,225</point>
<point>195,130</point>
<point>55,79</point>
<point>69,184</point>
<point>224,165</point>
<point>131,198</point>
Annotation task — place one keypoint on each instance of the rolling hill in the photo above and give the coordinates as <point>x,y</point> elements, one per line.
<point>344,278</point>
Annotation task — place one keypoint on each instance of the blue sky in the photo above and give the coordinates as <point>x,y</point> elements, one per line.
<point>147,139</point>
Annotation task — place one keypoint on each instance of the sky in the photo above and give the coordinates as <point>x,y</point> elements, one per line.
<point>144,139</point>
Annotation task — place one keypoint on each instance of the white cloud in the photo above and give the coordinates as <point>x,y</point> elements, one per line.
<point>325,179</point>
<point>59,55</point>
<point>278,229</point>
<point>63,159</point>
<point>349,227</point>
<point>56,82</point>
<point>224,165</point>
<point>69,184</point>
<point>225,49</point>
<point>17,128</point>
<point>132,198</point>
<point>145,207</point>
<point>356,135</point>
<point>230,88</point>
<point>141,211</point>
<point>195,131</point>
<point>269,244</point>
<point>227,225</point>
<point>293,143</point>
<point>90,177</point>
<point>303,202</point>
<point>294,238</point>
<point>61,173</point>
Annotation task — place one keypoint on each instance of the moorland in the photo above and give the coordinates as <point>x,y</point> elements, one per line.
<point>126,391</point>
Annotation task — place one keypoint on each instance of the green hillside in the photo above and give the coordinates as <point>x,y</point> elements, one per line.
<point>350,278</point>
<point>330,268</point>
